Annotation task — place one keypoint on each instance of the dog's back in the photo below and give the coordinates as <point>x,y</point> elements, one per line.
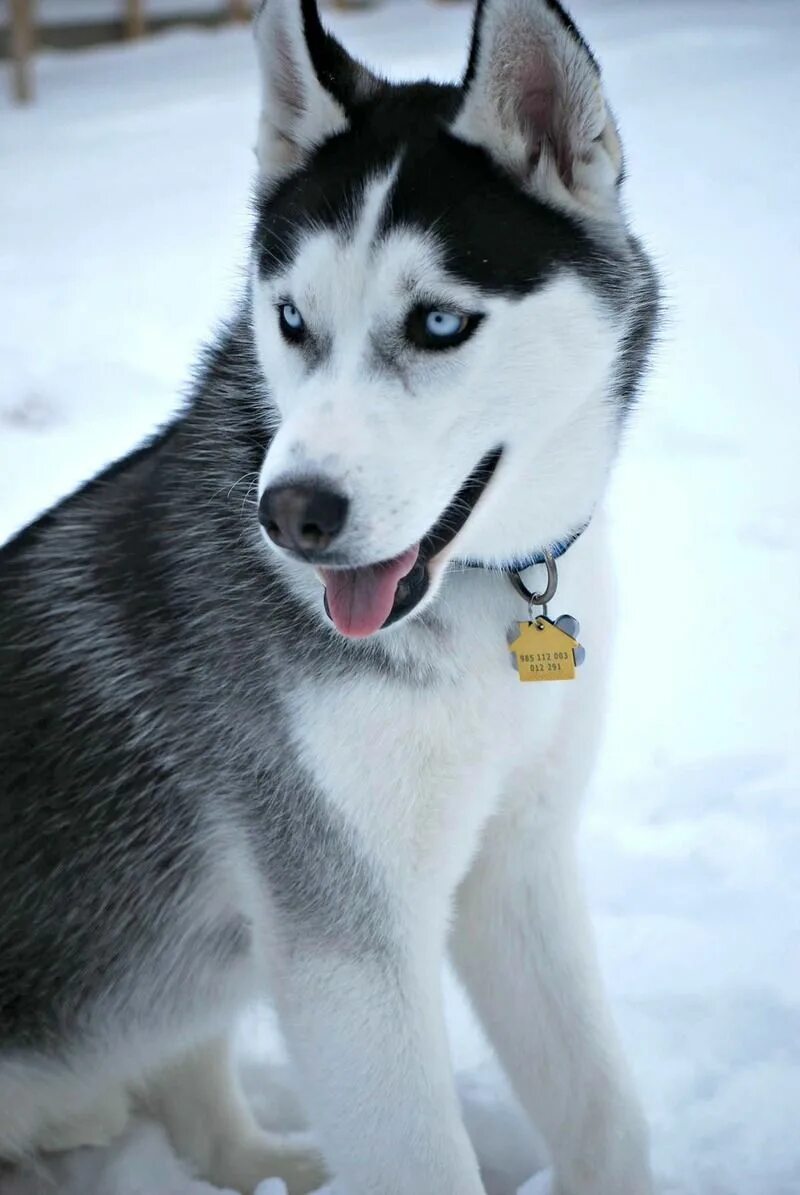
<point>113,747</point>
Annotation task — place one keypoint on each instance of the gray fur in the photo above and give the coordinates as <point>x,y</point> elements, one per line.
<point>151,647</point>
<point>140,711</point>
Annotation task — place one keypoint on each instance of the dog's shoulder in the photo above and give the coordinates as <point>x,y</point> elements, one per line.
<point>74,506</point>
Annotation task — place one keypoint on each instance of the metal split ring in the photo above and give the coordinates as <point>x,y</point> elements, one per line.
<point>547,594</point>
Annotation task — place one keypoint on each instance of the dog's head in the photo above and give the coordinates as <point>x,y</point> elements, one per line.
<point>446,304</point>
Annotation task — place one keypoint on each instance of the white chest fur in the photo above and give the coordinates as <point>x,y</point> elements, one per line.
<point>417,767</point>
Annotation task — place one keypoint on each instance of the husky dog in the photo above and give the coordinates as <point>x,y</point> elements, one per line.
<point>259,726</point>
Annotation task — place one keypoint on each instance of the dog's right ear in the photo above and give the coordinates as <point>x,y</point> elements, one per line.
<point>308,84</point>
<point>534,100</point>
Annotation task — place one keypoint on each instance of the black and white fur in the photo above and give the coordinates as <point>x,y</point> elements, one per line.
<point>207,793</point>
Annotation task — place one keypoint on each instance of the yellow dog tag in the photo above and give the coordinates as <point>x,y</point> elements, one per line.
<point>546,652</point>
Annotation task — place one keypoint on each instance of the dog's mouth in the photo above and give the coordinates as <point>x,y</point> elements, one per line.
<point>361,601</point>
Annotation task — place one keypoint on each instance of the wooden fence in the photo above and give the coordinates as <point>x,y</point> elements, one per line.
<point>133,21</point>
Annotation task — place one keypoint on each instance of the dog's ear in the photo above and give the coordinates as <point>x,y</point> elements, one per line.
<point>308,84</point>
<point>533,99</point>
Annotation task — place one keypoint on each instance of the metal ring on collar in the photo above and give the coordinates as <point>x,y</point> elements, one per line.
<point>548,593</point>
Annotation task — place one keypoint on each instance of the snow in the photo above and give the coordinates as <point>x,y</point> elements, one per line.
<point>123,213</point>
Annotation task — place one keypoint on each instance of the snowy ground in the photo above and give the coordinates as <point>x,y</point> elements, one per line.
<point>122,217</point>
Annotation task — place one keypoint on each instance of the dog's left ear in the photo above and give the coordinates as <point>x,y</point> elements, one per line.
<point>533,98</point>
<point>308,84</point>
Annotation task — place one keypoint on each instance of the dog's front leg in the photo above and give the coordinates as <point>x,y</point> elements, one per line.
<point>367,1033</point>
<point>523,946</point>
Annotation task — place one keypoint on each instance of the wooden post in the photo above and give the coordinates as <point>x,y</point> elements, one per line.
<point>22,49</point>
<point>240,10</point>
<point>134,23</point>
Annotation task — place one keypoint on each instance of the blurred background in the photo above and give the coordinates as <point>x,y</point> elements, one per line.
<point>125,178</point>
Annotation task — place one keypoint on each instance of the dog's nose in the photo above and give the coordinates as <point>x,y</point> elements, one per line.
<point>302,518</point>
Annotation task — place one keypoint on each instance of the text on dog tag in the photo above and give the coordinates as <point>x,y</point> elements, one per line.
<point>545,652</point>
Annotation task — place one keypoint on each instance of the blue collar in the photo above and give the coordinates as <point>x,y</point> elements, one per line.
<point>556,549</point>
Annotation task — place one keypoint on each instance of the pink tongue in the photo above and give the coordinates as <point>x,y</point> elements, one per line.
<point>360,599</point>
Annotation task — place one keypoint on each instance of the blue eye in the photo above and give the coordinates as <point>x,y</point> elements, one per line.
<point>438,328</point>
<point>293,326</point>
<point>445,324</point>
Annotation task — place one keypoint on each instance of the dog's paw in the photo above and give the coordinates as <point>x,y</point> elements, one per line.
<point>96,1126</point>
<point>245,1165</point>
<point>541,1184</point>
<point>274,1186</point>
